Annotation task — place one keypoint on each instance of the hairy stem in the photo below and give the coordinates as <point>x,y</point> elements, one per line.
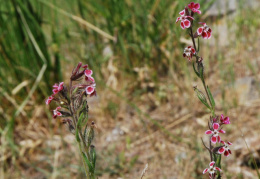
<point>192,37</point>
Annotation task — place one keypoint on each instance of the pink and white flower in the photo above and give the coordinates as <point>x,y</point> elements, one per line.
<point>57,87</point>
<point>224,120</point>
<point>185,23</point>
<point>56,112</point>
<point>215,131</point>
<point>204,31</point>
<point>88,75</point>
<point>189,52</point>
<point>48,101</point>
<point>212,170</point>
<point>194,7</point>
<point>225,148</point>
<point>90,89</point>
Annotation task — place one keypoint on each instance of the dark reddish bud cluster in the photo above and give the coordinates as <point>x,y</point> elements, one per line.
<point>77,91</point>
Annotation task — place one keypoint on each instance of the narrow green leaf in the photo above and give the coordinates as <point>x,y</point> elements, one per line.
<point>75,90</point>
<point>211,98</point>
<point>201,71</point>
<point>78,127</point>
<point>81,117</point>
<point>197,73</point>
<point>90,167</point>
<point>93,156</point>
<point>202,98</point>
<point>77,134</point>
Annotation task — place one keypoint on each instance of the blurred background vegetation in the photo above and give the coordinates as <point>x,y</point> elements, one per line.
<point>145,105</point>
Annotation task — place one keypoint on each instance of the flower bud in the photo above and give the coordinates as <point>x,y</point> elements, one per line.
<point>187,11</point>
<point>90,134</point>
<point>195,35</point>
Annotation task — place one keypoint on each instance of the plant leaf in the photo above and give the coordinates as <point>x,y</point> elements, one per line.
<point>197,73</point>
<point>90,167</point>
<point>211,98</point>
<point>202,98</point>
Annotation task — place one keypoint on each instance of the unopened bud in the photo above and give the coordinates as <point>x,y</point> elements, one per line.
<point>90,134</point>
<point>187,11</point>
<point>195,35</point>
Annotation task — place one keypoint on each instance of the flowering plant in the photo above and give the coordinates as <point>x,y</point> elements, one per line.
<point>216,146</point>
<point>73,108</point>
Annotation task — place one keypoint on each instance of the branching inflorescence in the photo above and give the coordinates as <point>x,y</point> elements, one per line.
<point>216,146</point>
<point>73,108</point>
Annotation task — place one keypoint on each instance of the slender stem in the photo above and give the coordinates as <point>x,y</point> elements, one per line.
<point>210,146</point>
<point>192,37</point>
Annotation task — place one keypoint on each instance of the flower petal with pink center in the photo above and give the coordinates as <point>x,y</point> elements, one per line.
<point>177,20</point>
<point>226,153</point>
<point>209,34</point>
<point>182,25</point>
<point>208,132</point>
<point>193,51</point>
<point>215,126</point>
<point>196,6</point>
<point>213,139</point>
<point>222,131</point>
<point>55,91</point>
<point>204,35</point>
<point>221,150</point>
<point>182,12</point>
<point>205,171</point>
<point>218,169</point>
<point>191,5</point>
<point>186,23</point>
<point>90,89</point>
<point>211,163</point>
<point>91,79</point>
<point>88,73</point>
<point>200,30</point>
<point>219,139</point>
<point>229,143</point>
